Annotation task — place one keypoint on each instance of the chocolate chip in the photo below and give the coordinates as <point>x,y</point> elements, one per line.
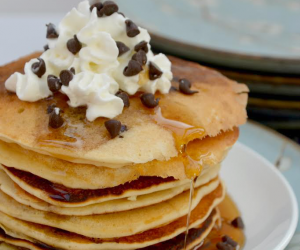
<point>109,8</point>
<point>55,119</point>
<point>113,127</point>
<point>124,128</point>
<point>132,29</point>
<point>154,71</point>
<point>229,241</point>
<point>72,70</point>
<point>46,47</point>
<point>143,45</point>
<point>140,57</point>
<point>149,100</point>
<point>39,68</point>
<point>122,48</point>
<point>54,83</point>
<point>73,45</point>
<point>238,223</point>
<point>66,76</point>
<point>185,87</point>
<point>173,89</point>
<point>50,108</point>
<point>121,14</point>
<point>224,246</point>
<point>51,31</point>
<point>99,7</point>
<point>124,96</point>
<point>133,68</point>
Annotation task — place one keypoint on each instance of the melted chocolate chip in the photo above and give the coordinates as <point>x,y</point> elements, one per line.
<point>109,8</point>
<point>73,45</point>
<point>185,87</point>
<point>99,7</point>
<point>143,45</point>
<point>113,127</point>
<point>50,108</point>
<point>149,100</point>
<point>39,68</point>
<point>55,119</point>
<point>224,246</point>
<point>229,241</point>
<point>154,71</point>
<point>122,48</point>
<point>66,76</point>
<point>46,47</point>
<point>238,223</point>
<point>133,68</point>
<point>140,57</point>
<point>132,29</point>
<point>54,83</point>
<point>124,96</point>
<point>51,31</point>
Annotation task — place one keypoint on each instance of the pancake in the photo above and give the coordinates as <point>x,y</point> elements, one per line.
<point>59,195</point>
<point>219,106</point>
<point>117,224</point>
<point>63,239</point>
<point>209,151</point>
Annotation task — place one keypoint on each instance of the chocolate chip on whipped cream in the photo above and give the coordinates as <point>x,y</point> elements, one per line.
<point>54,83</point>
<point>149,100</point>
<point>66,76</point>
<point>114,128</point>
<point>73,45</point>
<point>109,8</point>
<point>154,71</point>
<point>99,7</point>
<point>185,87</point>
<point>140,57</point>
<point>143,45</point>
<point>131,28</point>
<point>125,98</point>
<point>122,48</point>
<point>46,47</point>
<point>133,68</point>
<point>39,68</point>
<point>51,31</point>
<point>55,118</point>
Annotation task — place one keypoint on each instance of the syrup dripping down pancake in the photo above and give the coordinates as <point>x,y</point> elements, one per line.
<point>219,106</point>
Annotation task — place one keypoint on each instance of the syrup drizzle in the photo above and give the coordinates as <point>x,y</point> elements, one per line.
<point>183,134</point>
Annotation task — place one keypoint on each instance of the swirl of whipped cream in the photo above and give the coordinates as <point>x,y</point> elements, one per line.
<point>98,66</point>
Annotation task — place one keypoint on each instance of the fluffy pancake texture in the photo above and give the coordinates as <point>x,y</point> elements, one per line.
<point>219,106</point>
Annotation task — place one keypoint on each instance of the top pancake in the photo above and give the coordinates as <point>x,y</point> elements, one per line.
<point>219,106</point>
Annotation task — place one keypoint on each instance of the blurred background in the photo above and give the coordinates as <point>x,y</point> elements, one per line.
<point>252,41</point>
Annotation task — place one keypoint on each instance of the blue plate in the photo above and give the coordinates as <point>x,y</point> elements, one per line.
<point>259,35</point>
<point>283,152</point>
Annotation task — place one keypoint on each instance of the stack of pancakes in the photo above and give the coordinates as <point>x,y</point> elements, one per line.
<point>76,188</point>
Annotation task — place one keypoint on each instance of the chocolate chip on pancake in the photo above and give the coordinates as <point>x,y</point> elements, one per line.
<point>46,47</point>
<point>133,68</point>
<point>132,29</point>
<point>123,128</point>
<point>54,83</point>
<point>185,87</point>
<point>124,96</point>
<point>113,127</point>
<point>39,68</point>
<point>229,241</point>
<point>143,45</point>
<point>149,100</point>
<point>224,246</point>
<point>50,108</point>
<point>99,7</point>
<point>109,8</point>
<point>238,223</point>
<point>140,57</point>
<point>154,71</point>
<point>51,31</point>
<point>55,119</point>
<point>173,89</point>
<point>66,76</point>
<point>73,45</point>
<point>122,48</point>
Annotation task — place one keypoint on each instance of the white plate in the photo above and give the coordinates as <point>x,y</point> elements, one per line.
<point>265,199</point>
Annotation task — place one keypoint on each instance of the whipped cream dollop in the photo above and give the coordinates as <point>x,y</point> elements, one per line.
<point>97,62</point>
